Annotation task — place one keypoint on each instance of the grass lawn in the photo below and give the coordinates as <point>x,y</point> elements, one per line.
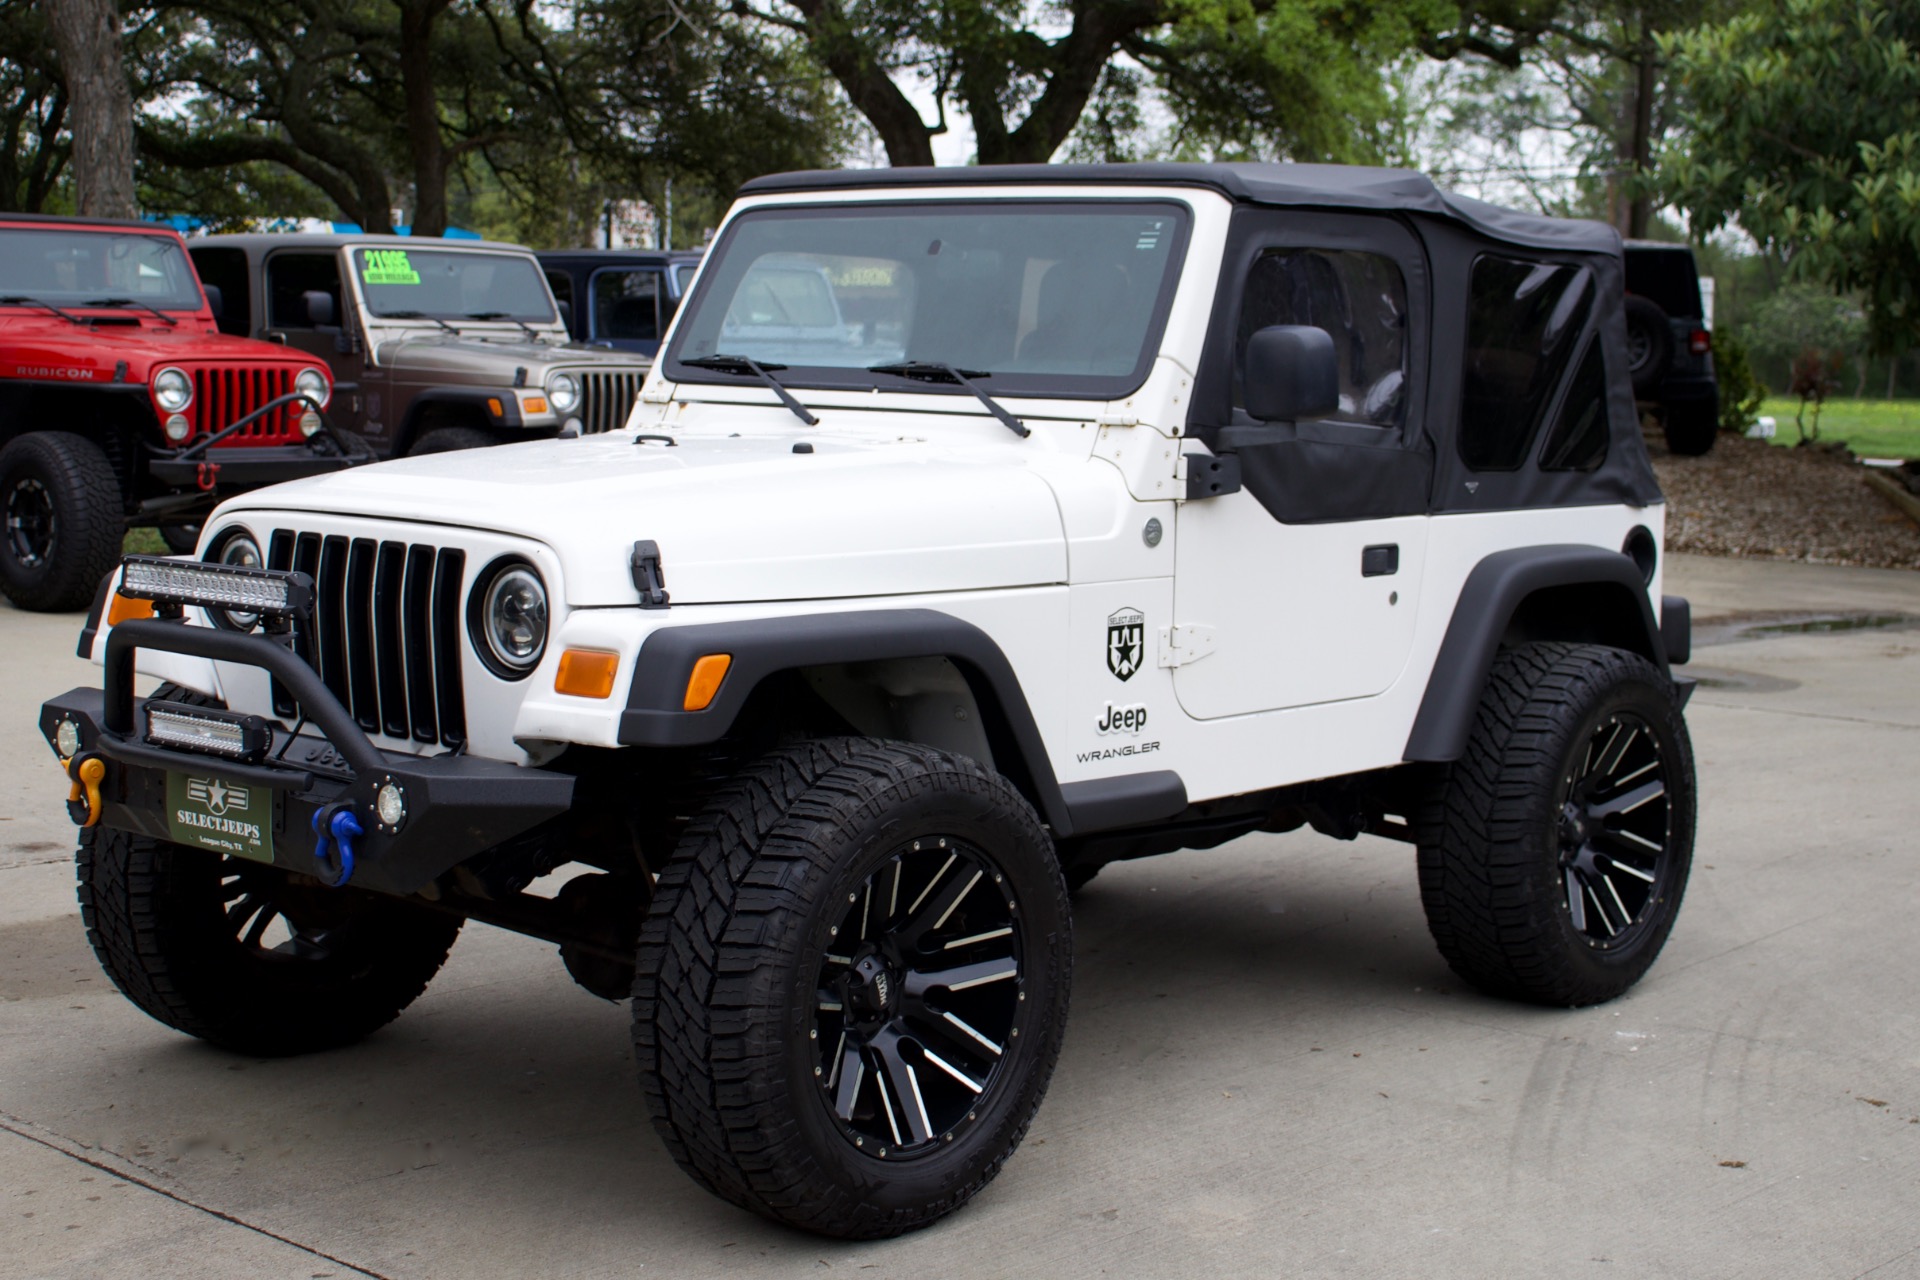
<point>1871,428</point>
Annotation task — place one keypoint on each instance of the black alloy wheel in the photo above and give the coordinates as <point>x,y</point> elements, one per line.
<point>1615,828</point>
<point>917,1001</point>
<point>851,985</point>
<point>31,525</point>
<point>63,523</point>
<point>1554,852</point>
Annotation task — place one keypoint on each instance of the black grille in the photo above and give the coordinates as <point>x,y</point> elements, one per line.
<point>607,398</point>
<point>385,633</point>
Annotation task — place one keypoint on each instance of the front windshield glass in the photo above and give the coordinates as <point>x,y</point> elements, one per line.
<point>1045,297</point>
<point>448,284</point>
<point>73,267</point>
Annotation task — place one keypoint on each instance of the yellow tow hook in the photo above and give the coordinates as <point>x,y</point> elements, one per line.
<point>83,800</point>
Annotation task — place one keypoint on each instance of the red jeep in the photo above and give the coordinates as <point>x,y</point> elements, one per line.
<point>121,404</point>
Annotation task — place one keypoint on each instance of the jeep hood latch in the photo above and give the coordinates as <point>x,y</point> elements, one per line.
<point>648,579</point>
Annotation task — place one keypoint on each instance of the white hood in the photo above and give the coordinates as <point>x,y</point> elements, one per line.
<point>738,517</point>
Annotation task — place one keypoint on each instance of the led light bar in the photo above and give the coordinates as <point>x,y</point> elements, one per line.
<point>239,588</point>
<point>208,732</point>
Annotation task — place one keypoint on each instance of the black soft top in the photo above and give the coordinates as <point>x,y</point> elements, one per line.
<point>1321,186</point>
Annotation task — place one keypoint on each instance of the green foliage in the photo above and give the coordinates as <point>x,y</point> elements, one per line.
<point>1806,131</point>
<point>1800,317</point>
<point>1741,393</point>
<point>34,148</point>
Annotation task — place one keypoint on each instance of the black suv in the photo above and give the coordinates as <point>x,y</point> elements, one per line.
<point>619,298</point>
<point>1668,345</point>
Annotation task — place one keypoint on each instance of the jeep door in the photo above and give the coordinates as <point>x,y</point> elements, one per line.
<point>1306,581</point>
<point>291,275</point>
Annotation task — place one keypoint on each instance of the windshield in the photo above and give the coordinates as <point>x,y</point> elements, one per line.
<point>1045,297</point>
<point>72,267</point>
<point>447,284</point>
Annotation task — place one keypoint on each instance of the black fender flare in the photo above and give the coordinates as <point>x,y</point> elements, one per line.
<point>762,647</point>
<point>1612,607</point>
<point>474,401</point>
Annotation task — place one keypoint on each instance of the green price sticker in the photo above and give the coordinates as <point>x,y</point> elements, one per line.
<point>387,266</point>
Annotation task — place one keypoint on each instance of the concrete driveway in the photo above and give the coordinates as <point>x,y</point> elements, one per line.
<point>1268,1072</point>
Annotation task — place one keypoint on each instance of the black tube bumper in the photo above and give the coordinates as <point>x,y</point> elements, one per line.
<point>456,806</point>
<point>248,468</point>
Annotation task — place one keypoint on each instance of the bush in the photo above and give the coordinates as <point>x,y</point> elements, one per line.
<point>1740,391</point>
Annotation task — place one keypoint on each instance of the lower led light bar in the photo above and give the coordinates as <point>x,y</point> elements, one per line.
<point>208,732</point>
<point>240,588</point>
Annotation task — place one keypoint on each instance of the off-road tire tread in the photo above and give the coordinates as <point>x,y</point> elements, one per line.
<point>87,498</point>
<point>1489,923</point>
<point>452,440</point>
<point>723,909</point>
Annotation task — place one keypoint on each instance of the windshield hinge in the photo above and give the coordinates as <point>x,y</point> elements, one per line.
<point>648,579</point>
<point>1118,420</point>
<point>1185,642</point>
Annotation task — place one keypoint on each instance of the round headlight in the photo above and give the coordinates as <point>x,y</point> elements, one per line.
<point>173,390</point>
<point>509,619</point>
<point>563,392</point>
<point>313,384</point>
<point>237,548</point>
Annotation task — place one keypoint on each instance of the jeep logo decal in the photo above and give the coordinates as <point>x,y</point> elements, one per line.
<point>1126,642</point>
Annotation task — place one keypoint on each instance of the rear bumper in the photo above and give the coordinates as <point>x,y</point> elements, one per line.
<point>456,806</point>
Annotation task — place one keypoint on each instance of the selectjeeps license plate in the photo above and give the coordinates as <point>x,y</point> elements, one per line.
<point>207,812</point>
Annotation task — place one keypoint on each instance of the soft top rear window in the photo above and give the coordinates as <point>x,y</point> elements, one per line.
<point>1053,298</point>
<point>1666,277</point>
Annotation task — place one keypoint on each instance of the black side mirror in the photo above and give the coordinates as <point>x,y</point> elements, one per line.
<point>215,303</point>
<point>1292,373</point>
<point>319,305</point>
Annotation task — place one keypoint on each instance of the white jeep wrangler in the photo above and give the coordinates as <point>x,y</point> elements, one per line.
<point>1024,520</point>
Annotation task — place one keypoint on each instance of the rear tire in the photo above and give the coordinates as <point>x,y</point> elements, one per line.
<point>181,539</point>
<point>184,933</point>
<point>1554,853</point>
<point>810,1046</point>
<point>452,439</point>
<point>61,507</point>
<point>1691,428</point>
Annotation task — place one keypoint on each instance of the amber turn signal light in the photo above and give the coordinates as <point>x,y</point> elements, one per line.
<point>704,683</point>
<point>534,404</point>
<point>586,673</point>
<point>125,608</point>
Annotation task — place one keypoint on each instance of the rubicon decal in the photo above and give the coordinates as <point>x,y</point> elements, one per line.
<point>1122,719</point>
<point>1126,642</point>
<point>66,373</point>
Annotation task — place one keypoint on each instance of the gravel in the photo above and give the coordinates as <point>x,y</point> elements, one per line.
<point>1765,502</point>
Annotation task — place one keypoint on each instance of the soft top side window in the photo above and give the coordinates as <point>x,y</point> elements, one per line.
<point>1579,438</point>
<point>1524,321</point>
<point>289,276</point>
<point>1360,299</point>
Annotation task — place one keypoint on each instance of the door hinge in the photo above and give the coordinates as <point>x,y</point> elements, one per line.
<point>1206,475</point>
<point>1185,642</point>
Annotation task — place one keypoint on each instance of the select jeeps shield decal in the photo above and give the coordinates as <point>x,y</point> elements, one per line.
<point>210,813</point>
<point>1126,642</point>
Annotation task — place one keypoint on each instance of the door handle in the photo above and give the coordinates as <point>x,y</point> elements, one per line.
<point>1379,561</point>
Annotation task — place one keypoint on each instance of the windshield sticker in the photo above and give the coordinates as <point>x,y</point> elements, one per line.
<point>387,266</point>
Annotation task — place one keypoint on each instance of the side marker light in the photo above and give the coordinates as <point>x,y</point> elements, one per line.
<point>704,683</point>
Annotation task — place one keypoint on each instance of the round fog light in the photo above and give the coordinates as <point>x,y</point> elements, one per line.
<point>309,424</point>
<point>66,739</point>
<point>390,803</point>
<point>178,428</point>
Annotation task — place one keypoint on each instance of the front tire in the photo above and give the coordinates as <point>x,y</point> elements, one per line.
<point>60,504</point>
<point>1554,853</point>
<point>247,956</point>
<point>852,985</point>
<point>452,440</point>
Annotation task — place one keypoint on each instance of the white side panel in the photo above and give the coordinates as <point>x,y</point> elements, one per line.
<point>1293,620</point>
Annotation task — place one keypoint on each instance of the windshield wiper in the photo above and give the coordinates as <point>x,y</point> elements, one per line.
<point>749,366</point>
<point>504,315</point>
<point>417,315</point>
<point>17,300</point>
<point>129,302</point>
<point>933,371</point>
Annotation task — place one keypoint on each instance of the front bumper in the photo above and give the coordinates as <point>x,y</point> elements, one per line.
<point>457,806</point>
<point>250,467</point>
